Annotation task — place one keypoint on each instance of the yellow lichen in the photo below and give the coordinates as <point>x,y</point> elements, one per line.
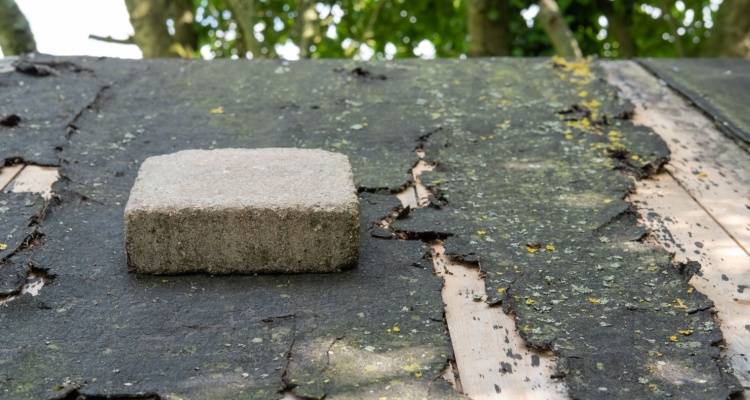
<point>592,104</point>
<point>679,303</point>
<point>578,69</point>
<point>582,124</point>
<point>686,332</point>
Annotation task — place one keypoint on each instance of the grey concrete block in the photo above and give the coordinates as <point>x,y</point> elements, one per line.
<point>243,211</point>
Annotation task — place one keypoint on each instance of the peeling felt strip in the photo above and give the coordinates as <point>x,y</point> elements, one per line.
<point>536,200</point>
<point>492,359</point>
<point>712,169</point>
<point>698,218</point>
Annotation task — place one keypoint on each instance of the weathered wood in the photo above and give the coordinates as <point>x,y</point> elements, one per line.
<point>493,360</point>
<point>8,173</point>
<point>711,168</point>
<point>681,225</point>
<point>35,179</point>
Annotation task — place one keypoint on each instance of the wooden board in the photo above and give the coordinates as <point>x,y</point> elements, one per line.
<point>7,174</point>
<point>680,225</point>
<point>711,168</point>
<point>35,179</point>
<point>493,360</point>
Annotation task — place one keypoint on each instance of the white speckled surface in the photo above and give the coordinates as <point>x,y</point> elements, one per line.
<point>238,178</point>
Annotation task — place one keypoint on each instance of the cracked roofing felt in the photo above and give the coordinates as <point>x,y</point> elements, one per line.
<point>531,159</point>
<point>96,329</point>
<point>535,196</point>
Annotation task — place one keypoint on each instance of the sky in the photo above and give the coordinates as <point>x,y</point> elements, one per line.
<point>63,27</point>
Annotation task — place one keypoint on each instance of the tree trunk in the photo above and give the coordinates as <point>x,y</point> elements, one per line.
<point>306,29</point>
<point>731,34</point>
<point>489,27</point>
<point>244,14</point>
<point>15,33</point>
<point>620,20</point>
<point>149,20</point>
<point>559,33</point>
<point>184,36</point>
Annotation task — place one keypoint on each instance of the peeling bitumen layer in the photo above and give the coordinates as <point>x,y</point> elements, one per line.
<point>533,163</point>
<point>535,197</point>
<point>719,87</point>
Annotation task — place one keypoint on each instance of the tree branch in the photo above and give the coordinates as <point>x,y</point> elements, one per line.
<point>110,39</point>
<point>559,33</point>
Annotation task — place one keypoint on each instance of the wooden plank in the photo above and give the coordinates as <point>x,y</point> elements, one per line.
<point>35,179</point>
<point>680,225</point>
<point>700,207</point>
<point>492,359</point>
<point>8,173</point>
<point>711,168</point>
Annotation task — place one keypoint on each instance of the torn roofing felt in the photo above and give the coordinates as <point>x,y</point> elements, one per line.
<point>530,155</point>
<point>535,195</point>
<point>719,87</point>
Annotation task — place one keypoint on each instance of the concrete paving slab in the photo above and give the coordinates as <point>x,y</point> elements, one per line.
<point>243,211</point>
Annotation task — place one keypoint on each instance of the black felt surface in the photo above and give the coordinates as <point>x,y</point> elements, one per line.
<point>720,87</point>
<point>534,195</point>
<point>518,166</point>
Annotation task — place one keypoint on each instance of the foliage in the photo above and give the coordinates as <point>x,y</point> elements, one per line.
<point>395,28</point>
<point>341,27</point>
